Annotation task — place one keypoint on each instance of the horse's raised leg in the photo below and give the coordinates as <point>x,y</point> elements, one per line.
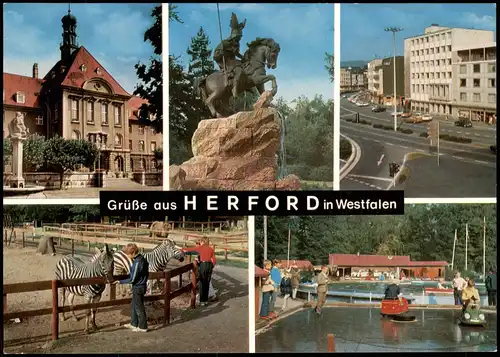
<point>71,298</point>
<point>63,303</point>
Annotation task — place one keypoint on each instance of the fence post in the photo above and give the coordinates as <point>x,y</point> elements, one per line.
<point>4,303</point>
<point>193,286</point>
<point>180,281</point>
<point>72,247</point>
<point>331,343</point>
<point>22,240</point>
<point>55,312</point>
<point>166,301</point>
<point>112,292</point>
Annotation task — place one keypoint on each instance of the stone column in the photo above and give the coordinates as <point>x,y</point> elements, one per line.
<point>17,162</point>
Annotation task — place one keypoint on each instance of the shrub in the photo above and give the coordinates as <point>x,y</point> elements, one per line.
<point>349,120</point>
<point>345,149</point>
<point>377,126</point>
<point>405,131</point>
<point>365,122</point>
<point>424,135</point>
<point>387,127</point>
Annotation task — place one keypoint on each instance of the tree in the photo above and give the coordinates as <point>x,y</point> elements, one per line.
<point>62,155</point>
<point>150,86</point>
<point>200,66</point>
<point>329,66</point>
<point>33,149</point>
<point>7,152</point>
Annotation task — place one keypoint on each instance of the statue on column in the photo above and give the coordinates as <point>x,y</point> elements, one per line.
<point>17,129</point>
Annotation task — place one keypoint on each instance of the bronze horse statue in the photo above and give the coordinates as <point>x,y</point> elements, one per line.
<point>217,89</point>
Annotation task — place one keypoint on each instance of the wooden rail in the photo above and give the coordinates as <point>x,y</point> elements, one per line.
<point>167,296</point>
<point>176,225</point>
<point>226,240</point>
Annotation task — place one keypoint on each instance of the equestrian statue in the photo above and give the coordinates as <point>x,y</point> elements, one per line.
<point>238,73</point>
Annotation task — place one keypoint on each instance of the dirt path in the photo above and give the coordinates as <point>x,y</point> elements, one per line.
<point>220,327</point>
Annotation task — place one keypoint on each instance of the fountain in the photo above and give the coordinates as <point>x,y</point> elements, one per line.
<point>18,133</point>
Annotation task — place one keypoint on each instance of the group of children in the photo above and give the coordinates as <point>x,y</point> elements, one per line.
<point>139,272</point>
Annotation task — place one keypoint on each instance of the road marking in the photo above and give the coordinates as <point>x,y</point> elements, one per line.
<point>377,141</point>
<point>380,161</point>
<point>481,162</point>
<point>389,144</point>
<point>404,147</point>
<point>419,150</point>
<point>366,184</point>
<point>458,157</point>
<point>371,177</point>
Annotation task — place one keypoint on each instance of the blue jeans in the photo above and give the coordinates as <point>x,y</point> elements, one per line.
<point>272,303</point>
<point>138,311</point>
<point>458,296</point>
<point>264,307</point>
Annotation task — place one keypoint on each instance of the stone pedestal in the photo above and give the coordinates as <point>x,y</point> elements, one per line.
<point>17,180</point>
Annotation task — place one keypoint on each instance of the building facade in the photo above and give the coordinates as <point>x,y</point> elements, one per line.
<point>374,76</point>
<point>388,76</point>
<point>353,79</point>
<point>429,69</point>
<point>79,99</point>
<point>474,91</point>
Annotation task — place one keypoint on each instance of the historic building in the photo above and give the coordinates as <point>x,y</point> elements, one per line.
<point>79,99</point>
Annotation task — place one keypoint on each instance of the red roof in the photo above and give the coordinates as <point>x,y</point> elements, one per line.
<point>75,77</point>
<point>13,83</point>
<point>301,264</point>
<point>429,264</point>
<point>260,273</point>
<point>355,260</point>
<point>134,104</point>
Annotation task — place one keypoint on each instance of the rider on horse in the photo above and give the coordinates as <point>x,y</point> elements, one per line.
<point>227,55</point>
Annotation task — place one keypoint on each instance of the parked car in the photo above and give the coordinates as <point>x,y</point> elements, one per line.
<point>406,115</point>
<point>378,109</point>
<point>363,104</point>
<point>493,149</point>
<point>465,123</point>
<point>426,117</point>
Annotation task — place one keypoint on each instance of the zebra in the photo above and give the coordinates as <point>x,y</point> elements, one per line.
<point>158,259</point>
<point>70,267</point>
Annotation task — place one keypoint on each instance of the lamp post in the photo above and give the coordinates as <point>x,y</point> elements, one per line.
<point>394,30</point>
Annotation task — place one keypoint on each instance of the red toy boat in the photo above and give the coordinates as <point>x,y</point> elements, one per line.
<point>438,291</point>
<point>396,309</point>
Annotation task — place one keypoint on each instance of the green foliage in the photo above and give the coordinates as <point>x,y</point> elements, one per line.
<point>309,138</point>
<point>150,85</point>
<point>158,153</point>
<point>33,153</point>
<point>345,149</point>
<point>329,65</point>
<point>7,152</point>
<point>52,213</point>
<point>425,232</point>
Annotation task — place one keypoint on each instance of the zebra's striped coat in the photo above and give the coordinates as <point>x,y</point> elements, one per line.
<point>102,265</point>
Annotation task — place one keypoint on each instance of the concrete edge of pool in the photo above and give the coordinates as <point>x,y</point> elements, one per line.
<point>264,325</point>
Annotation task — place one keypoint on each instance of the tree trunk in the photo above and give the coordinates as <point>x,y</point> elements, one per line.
<point>46,246</point>
<point>61,179</point>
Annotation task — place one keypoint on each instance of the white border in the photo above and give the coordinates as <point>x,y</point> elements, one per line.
<point>336,98</point>
<point>165,73</point>
<point>251,284</point>
<point>459,200</point>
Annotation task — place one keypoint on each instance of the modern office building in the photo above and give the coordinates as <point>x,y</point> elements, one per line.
<point>79,99</point>
<point>474,83</point>
<point>374,76</point>
<point>429,68</point>
<point>353,79</point>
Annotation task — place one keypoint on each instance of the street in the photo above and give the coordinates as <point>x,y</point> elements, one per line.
<point>465,170</point>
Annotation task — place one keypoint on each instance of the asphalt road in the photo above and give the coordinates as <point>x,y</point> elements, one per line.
<point>363,330</point>
<point>480,133</point>
<point>465,170</point>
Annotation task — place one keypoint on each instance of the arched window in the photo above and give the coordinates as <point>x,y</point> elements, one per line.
<point>118,140</point>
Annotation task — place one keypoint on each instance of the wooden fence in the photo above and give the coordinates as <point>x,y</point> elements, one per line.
<point>167,295</point>
<point>223,243</point>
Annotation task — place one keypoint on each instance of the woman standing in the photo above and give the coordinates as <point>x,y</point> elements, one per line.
<point>286,288</point>
<point>295,281</point>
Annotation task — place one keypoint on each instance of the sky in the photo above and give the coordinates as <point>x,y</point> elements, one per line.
<point>304,32</point>
<point>113,34</point>
<point>362,25</point>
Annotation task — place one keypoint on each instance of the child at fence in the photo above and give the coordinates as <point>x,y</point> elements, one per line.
<point>206,264</point>
<point>139,273</point>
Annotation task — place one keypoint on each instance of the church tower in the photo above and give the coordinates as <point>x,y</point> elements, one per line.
<point>69,44</point>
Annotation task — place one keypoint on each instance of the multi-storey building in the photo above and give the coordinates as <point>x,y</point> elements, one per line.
<point>79,99</point>
<point>353,79</point>
<point>474,83</point>
<point>374,76</point>
<point>429,69</point>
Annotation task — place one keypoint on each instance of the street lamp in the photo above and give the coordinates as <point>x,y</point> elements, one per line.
<point>394,30</point>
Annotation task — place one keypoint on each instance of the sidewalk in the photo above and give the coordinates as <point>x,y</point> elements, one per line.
<point>292,306</point>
